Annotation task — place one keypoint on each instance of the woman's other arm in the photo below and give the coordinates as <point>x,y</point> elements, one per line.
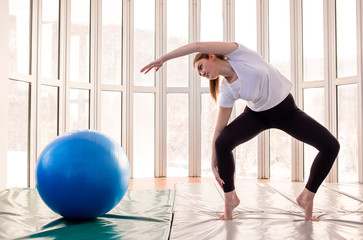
<point>205,47</point>
<point>223,116</point>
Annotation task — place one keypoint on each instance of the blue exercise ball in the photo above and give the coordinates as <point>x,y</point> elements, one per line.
<point>82,175</point>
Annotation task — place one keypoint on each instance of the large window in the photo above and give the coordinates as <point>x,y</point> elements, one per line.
<point>75,65</point>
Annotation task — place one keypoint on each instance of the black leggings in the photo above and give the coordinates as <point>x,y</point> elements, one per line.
<point>287,117</point>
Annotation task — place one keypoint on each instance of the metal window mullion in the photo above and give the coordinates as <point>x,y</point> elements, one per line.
<point>67,64</point>
<point>177,90</point>
<point>263,154</point>
<point>81,85</point>
<point>163,85</point>
<point>312,84</point>
<point>33,130</point>
<point>20,77</point>
<point>96,41</point>
<point>4,91</point>
<point>360,87</point>
<point>39,81</point>
<point>297,147</point>
<point>125,75</point>
<point>49,82</point>
<point>94,94</point>
<point>160,114</point>
<point>330,76</point>
<point>194,96</point>
<point>62,61</point>
<point>346,80</point>
<point>130,91</point>
<point>228,20</point>
<point>110,87</point>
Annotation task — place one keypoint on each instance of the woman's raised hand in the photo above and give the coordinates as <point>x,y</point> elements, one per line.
<point>154,64</point>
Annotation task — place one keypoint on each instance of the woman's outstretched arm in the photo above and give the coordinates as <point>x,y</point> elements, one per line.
<point>205,47</point>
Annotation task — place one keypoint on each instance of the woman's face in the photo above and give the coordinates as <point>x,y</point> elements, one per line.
<point>206,68</point>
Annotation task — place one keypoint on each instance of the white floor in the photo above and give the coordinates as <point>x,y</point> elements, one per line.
<point>267,211</point>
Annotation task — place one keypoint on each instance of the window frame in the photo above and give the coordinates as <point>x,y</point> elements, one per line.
<point>330,83</point>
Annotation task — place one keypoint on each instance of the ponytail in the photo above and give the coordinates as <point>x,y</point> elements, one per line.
<point>213,83</point>
<point>214,88</point>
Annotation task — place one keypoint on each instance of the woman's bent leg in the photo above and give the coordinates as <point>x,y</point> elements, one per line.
<point>243,128</point>
<point>304,128</point>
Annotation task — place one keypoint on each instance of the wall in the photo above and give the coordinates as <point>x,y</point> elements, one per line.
<point>4,16</point>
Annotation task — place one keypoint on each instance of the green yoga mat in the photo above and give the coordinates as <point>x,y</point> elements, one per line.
<point>140,215</point>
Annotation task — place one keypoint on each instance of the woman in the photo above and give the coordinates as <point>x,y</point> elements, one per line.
<point>269,105</point>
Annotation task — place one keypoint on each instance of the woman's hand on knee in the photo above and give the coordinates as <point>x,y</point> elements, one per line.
<point>216,175</point>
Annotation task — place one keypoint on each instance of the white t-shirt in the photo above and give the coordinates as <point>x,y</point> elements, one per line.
<point>258,83</point>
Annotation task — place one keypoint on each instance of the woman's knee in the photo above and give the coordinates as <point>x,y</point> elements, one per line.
<point>331,147</point>
<point>221,145</point>
<point>335,147</point>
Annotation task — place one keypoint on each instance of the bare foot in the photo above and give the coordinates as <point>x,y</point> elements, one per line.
<point>305,200</point>
<point>231,201</point>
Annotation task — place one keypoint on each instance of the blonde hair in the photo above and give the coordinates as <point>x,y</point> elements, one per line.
<point>213,83</point>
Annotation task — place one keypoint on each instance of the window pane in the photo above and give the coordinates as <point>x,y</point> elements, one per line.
<point>313,40</point>
<point>246,23</point>
<point>111,41</point>
<point>144,135</point>
<point>279,51</point>
<point>208,120</point>
<point>346,38</point>
<point>314,107</point>
<point>177,135</point>
<point>211,20</point>
<point>279,35</point>
<point>280,154</point>
<point>246,153</point>
<point>177,30</point>
<point>79,109</point>
<point>111,113</point>
<point>18,100</point>
<point>79,40</point>
<point>348,133</point>
<point>48,114</point>
<point>144,40</point>
<point>19,36</point>
<point>211,25</point>
<point>50,39</point>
